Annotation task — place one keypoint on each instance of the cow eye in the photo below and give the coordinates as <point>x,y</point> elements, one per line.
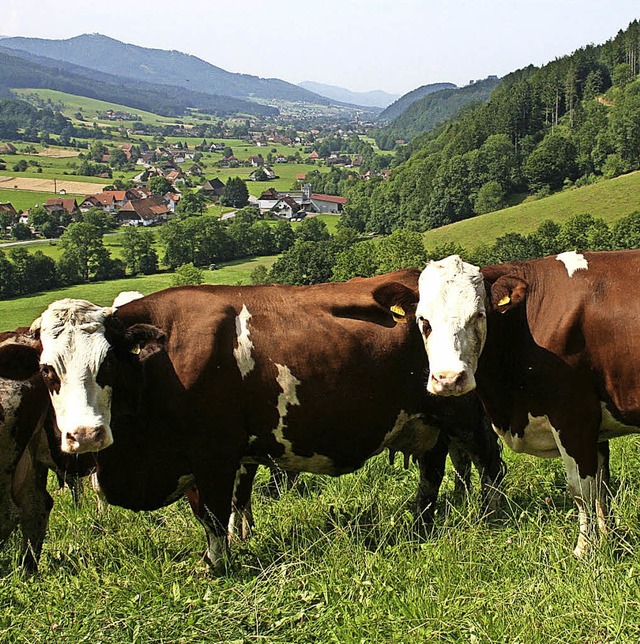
<point>47,372</point>
<point>425,327</point>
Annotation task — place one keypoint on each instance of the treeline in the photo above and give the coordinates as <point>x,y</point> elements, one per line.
<point>568,123</point>
<point>20,121</point>
<point>200,240</point>
<point>344,256</point>
<point>426,113</point>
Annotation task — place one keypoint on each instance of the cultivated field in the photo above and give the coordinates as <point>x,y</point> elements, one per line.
<point>47,185</point>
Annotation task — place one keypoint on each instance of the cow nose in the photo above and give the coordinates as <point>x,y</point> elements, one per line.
<point>449,380</point>
<point>86,439</point>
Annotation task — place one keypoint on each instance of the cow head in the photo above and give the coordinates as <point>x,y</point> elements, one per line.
<point>83,346</point>
<point>451,315</point>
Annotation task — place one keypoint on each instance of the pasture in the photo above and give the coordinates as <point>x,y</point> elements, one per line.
<point>337,560</point>
<point>22,311</point>
<point>610,200</point>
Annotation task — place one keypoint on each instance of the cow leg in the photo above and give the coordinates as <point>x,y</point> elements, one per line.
<point>432,464</point>
<point>241,520</point>
<point>604,488</point>
<point>34,503</point>
<point>211,503</point>
<point>584,490</point>
<point>9,515</point>
<point>461,462</point>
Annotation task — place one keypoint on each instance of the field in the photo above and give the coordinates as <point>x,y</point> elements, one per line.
<point>22,311</point>
<point>336,560</point>
<point>611,200</point>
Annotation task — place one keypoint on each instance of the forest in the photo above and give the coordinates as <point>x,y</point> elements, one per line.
<point>571,122</point>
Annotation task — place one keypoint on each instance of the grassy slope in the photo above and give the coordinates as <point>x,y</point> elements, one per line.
<point>336,561</point>
<point>610,200</point>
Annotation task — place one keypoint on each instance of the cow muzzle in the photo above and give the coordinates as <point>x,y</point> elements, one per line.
<point>451,383</point>
<point>86,439</point>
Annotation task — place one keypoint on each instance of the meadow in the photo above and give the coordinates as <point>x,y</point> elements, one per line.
<point>610,200</point>
<point>22,311</point>
<point>338,560</point>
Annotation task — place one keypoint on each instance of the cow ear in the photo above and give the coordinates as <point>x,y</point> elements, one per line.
<point>506,293</point>
<point>400,300</point>
<point>18,361</point>
<point>143,338</point>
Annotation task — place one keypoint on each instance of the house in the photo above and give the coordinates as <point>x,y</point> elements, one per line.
<point>256,161</point>
<point>8,148</point>
<point>287,208</point>
<point>314,156</point>
<point>263,174</point>
<point>107,200</point>
<point>171,200</point>
<point>67,205</point>
<point>174,175</point>
<point>213,188</point>
<point>281,158</point>
<point>143,212</point>
<point>328,203</point>
<point>8,207</point>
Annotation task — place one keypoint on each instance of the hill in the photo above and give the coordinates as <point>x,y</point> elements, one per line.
<point>610,199</point>
<point>159,66</point>
<point>23,70</point>
<point>425,114</point>
<point>374,98</point>
<point>400,105</point>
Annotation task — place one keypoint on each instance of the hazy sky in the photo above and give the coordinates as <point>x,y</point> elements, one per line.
<point>393,45</point>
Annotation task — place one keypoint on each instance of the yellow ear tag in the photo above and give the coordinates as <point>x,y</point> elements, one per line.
<point>505,300</point>
<point>398,314</point>
<point>135,350</point>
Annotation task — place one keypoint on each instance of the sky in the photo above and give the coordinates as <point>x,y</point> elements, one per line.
<point>362,45</point>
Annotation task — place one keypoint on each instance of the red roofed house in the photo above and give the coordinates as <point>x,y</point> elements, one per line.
<point>68,204</point>
<point>143,212</point>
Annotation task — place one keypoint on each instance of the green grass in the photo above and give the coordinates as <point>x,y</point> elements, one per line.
<point>336,560</point>
<point>71,103</point>
<point>22,311</point>
<point>611,200</point>
<point>25,199</point>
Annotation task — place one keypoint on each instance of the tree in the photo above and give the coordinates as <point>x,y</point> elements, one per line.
<point>402,249</point>
<point>191,203</point>
<point>83,252</point>
<point>359,260</point>
<point>312,229</point>
<point>104,221</point>
<point>7,277</point>
<point>490,198</point>
<point>159,185</point>
<point>138,252</point>
<point>21,231</point>
<point>187,274</point>
<point>306,262</point>
<point>118,159</point>
<point>236,194</point>
<point>553,161</point>
<point>585,232</point>
<point>283,236</point>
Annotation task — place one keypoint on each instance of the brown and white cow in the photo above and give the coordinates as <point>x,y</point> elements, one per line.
<point>24,403</point>
<point>181,389</point>
<point>559,373</point>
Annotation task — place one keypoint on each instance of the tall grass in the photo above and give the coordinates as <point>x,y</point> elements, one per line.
<point>337,560</point>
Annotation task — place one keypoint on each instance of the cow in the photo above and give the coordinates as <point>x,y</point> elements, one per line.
<point>181,390</point>
<point>551,345</point>
<point>24,402</point>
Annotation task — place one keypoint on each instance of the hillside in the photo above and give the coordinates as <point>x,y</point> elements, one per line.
<point>374,98</point>
<point>610,200</point>
<point>20,70</point>
<point>400,105</point>
<point>160,67</point>
<point>425,114</point>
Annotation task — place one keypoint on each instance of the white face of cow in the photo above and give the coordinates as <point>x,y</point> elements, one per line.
<point>74,349</point>
<point>451,315</point>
